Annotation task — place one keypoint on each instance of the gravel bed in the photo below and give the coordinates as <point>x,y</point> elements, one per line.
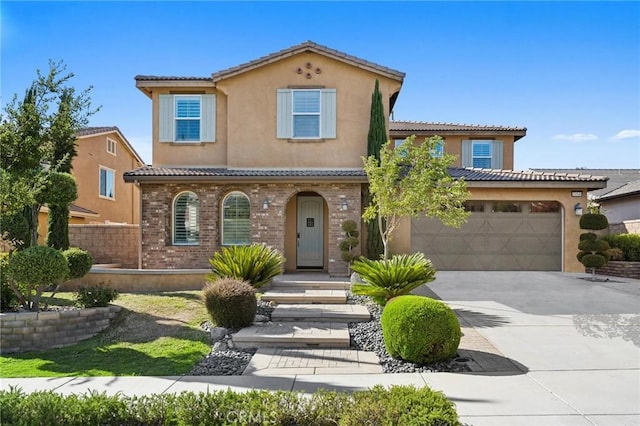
<point>367,336</point>
<point>224,360</point>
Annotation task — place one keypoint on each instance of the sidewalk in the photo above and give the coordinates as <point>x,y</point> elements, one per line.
<point>549,349</point>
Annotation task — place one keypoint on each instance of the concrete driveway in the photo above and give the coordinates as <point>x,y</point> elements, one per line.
<point>577,343</point>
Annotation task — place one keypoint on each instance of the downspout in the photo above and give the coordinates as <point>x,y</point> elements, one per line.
<point>137,184</point>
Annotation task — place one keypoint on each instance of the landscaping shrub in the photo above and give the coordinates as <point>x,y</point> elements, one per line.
<point>257,264</point>
<point>593,221</point>
<point>98,296</point>
<point>594,251</point>
<point>350,241</point>
<point>79,262</point>
<point>629,244</point>
<point>386,279</point>
<point>420,329</point>
<point>230,302</point>
<point>616,254</point>
<point>8,298</point>
<point>34,268</point>
<point>398,405</point>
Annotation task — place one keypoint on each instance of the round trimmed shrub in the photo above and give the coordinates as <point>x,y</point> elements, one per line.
<point>588,236</point>
<point>79,262</point>
<point>231,303</point>
<point>38,265</point>
<point>593,260</point>
<point>594,221</point>
<point>420,329</point>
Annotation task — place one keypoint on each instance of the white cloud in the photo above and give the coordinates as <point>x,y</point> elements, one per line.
<point>626,134</point>
<point>576,137</point>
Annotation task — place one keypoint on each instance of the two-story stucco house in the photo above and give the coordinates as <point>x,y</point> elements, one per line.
<point>271,151</point>
<point>103,156</point>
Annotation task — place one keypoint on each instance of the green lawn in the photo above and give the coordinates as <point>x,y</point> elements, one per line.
<point>155,334</point>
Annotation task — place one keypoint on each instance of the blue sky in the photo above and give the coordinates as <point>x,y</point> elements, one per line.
<point>568,71</point>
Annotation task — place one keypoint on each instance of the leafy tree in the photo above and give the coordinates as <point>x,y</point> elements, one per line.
<point>409,181</point>
<point>36,143</point>
<point>376,138</point>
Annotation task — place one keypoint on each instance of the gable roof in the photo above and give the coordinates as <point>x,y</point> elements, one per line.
<point>309,46</point>
<point>93,131</point>
<point>617,177</point>
<point>629,189</point>
<point>437,128</point>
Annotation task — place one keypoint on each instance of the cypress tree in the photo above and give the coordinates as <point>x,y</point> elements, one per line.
<point>376,138</point>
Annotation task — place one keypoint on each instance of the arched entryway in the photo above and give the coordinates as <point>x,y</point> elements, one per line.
<point>306,232</point>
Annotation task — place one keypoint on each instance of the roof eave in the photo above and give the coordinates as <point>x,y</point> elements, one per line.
<point>617,196</point>
<point>147,86</point>
<point>589,185</point>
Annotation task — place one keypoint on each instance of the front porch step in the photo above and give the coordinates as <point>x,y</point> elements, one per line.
<point>321,313</point>
<point>305,296</point>
<point>310,281</point>
<point>293,335</point>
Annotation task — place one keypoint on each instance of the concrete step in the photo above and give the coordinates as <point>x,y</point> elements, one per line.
<point>320,313</point>
<point>305,296</point>
<point>310,285</point>
<point>293,335</point>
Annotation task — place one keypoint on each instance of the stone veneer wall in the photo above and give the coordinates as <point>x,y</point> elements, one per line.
<point>267,226</point>
<point>620,269</point>
<point>30,331</point>
<point>107,243</point>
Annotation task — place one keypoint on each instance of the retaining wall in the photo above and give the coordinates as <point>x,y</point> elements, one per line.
<point>139,280</point>
<point>621,269</point>
<point>34,331</point>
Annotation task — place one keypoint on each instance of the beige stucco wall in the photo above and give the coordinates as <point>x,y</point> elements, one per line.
<point>246,118</point>
<point>571,223</point>
<point>92,153</point>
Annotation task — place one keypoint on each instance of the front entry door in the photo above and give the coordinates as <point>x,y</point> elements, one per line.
<point>310,232</point>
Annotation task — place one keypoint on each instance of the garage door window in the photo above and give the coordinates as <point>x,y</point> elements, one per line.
<point>474,206</point>
<point>544,207</point>
<point>506,207</point>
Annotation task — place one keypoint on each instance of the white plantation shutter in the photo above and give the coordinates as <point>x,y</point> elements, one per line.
<point>236,223</point>
<point>186,218</point>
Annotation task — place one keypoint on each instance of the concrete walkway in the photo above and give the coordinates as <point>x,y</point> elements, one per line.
<point>569,350</point>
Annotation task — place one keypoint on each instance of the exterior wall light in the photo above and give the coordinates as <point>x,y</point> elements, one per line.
<point>265,204</point>
<point>578,209</point>
<point>345,205</point>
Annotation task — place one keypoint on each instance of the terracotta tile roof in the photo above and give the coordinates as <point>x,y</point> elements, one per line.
<point>627,190</point>
<point>430,126</point>
<point>90,131</point>
<point>308,46</point>
<point>485,175</point>
<point>617,177</point>
<point>76,208</point>
<point>224,173</point>
<point>162,78</point>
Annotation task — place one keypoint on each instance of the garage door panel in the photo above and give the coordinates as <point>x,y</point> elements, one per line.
<point>492,241</point>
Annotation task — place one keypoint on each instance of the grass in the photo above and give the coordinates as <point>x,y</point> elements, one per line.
<point>155,334</point>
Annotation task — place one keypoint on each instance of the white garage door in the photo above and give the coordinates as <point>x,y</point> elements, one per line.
<point>498,236</point>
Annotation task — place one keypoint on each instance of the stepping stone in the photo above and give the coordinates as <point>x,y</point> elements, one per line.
<point>293,335</point>
<point>310,285</point>
<point>305,296</point>
<point>321,313</point>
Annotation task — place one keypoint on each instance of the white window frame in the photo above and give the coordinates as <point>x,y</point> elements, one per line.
<point>438,151</point>
<point>222,223</point>
<point>174,218</point>
<point>112,147</point>
<point>474,143</point>
<point>113,183</point>
<point>177,98</point>
<point>294,114</point>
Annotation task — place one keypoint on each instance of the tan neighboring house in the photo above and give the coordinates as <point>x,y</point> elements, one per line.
<point>104,155</point>
<point>271,151</point>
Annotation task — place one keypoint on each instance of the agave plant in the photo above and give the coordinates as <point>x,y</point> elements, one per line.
<point>257,264</point>
<point>385,279</point>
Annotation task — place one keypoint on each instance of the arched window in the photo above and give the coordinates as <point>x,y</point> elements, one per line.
<point>186,219</point>
<point>236,227</point>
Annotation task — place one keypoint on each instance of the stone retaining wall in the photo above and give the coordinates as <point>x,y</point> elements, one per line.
<point>33,331</point>
<point>621,269</point>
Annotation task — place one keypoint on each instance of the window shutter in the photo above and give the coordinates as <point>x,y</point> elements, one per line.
<point>328,114</point>
<point>284,114</point>
<point>186,227</point>
<point>166,118</point>
<point>208,119</point>
<point>467,154</point>
<point>497,158</point>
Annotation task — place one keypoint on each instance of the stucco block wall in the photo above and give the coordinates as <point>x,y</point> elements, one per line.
<point>275,226</point>
<point>107,243</point>
<point>626,227</point>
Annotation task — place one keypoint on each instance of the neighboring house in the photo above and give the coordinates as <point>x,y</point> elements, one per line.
<point>271,151</point>
<point>103,155</point>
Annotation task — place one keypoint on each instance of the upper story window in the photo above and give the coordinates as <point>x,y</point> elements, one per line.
<point>186,218</point>
<point>187,118</point>
<point>438,150</point>
<point>107,179</point>
<point>236,214</point>
<point>484,154</point>
<point>306,114</point>
<point>111,146</point>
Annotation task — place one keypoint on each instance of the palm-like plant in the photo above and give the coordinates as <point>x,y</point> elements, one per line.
<point>386,279</point>
<point>257,264</point>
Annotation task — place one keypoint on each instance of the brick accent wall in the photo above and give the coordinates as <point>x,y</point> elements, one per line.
<point>621,269</point>
<point>31,331</point>
<point>107,243</point>
<point>267,226</point>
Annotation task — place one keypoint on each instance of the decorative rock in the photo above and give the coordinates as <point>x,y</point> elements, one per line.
<point>355,278</point>
<point>230,344</point>
<point>219,346</point>
<point>260,318</point>
<point>218,333</point>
